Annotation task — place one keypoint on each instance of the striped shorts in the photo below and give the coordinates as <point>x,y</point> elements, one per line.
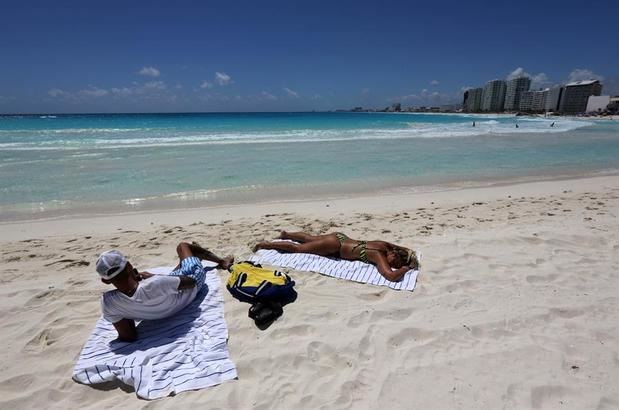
<point>192,267</point>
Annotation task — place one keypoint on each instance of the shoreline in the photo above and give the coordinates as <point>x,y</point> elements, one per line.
<point>228,197</point>
<point>320,206</point>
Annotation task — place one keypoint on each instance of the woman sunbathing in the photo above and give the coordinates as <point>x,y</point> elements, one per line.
<point>392,261</point>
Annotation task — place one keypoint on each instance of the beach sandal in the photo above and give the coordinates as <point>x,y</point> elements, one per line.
<point>265,313</point>
<point>254,309</point>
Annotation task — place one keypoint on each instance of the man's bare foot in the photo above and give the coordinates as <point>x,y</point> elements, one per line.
<point>227,262</point>
<point>283,235</point>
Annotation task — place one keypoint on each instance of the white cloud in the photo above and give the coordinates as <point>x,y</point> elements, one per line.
<point>291,93</point>
<point>56,92</point>
<point>518,72</point>
<point>149,72</point>
<point>267,96</point>
<point>410,97</point>
<point>94,92</point>
<point>206,84</point>
<point>434,82</point>
<point>215,96</point>
<point>432,98</point>
<point>611,86</point>
<point>155,85</point>
<point>222,78</point>
<point>149,90</point>
<point>537,80</point>
<point>121,92</point>
<point>465,88</point>
<point>582,74</point>
<point>365,91</point>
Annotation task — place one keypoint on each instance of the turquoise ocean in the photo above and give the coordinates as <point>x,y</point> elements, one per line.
<point>53,165</point>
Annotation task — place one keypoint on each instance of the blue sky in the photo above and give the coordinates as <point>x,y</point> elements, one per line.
<point>123,56</point>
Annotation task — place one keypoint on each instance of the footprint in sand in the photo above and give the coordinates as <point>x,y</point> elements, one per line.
<point>566,313</point>
<point>462,285</point>
<point>44,297</point>
<point>40,342</point>
<point>372,296</point>
<point>69,263</point>
<point>324,354</point>
<point>409,337</point>
<point>359,319</point>
<point>397,315</point>
<point>286,333</point>
<point>77,282</point>
<point>366,344</point>
<point>541,279</point>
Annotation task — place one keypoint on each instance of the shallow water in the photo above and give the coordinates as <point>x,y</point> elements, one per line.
<point>68,163</point>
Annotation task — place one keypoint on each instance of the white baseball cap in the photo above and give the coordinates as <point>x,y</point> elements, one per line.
<point>110,264</point>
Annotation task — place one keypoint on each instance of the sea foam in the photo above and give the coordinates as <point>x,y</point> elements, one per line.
<point>98,138</point>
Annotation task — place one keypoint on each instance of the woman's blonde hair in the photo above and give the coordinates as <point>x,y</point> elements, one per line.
<point>409,257</point>
<point>402,254</point>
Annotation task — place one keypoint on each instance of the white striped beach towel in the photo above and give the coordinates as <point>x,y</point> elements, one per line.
<point>338,268</point>
<point>185,352</point>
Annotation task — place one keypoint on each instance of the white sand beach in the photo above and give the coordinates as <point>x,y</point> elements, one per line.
<point>515,306</point>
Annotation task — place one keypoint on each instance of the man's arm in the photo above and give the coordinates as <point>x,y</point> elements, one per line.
<point>185,281</point>
<point>145,275</point>
<point>126,330</point>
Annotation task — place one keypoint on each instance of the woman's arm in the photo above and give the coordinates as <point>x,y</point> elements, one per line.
<point>383,267</point>
<point>395,247</point>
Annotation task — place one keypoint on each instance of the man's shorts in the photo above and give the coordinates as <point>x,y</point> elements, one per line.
<point>192,267</point>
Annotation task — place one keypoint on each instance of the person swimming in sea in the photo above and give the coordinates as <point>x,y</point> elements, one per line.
<point>392,261</point>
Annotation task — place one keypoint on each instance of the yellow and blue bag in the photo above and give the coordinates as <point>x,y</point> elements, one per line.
<point>250,282</point>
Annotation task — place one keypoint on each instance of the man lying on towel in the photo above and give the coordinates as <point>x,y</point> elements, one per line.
<point>145,296</point>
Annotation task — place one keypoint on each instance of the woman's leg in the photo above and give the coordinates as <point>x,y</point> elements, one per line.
<point>325,246</point>
<point>302,236</point>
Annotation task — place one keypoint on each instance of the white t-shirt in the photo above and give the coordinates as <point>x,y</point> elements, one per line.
<point>155,298</point>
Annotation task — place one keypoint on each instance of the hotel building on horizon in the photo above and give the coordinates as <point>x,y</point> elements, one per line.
<point>576,95</point>
<point>493,96</point>
<point>472,99</point>
<point>514,95</point>
<point>514,89</point>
